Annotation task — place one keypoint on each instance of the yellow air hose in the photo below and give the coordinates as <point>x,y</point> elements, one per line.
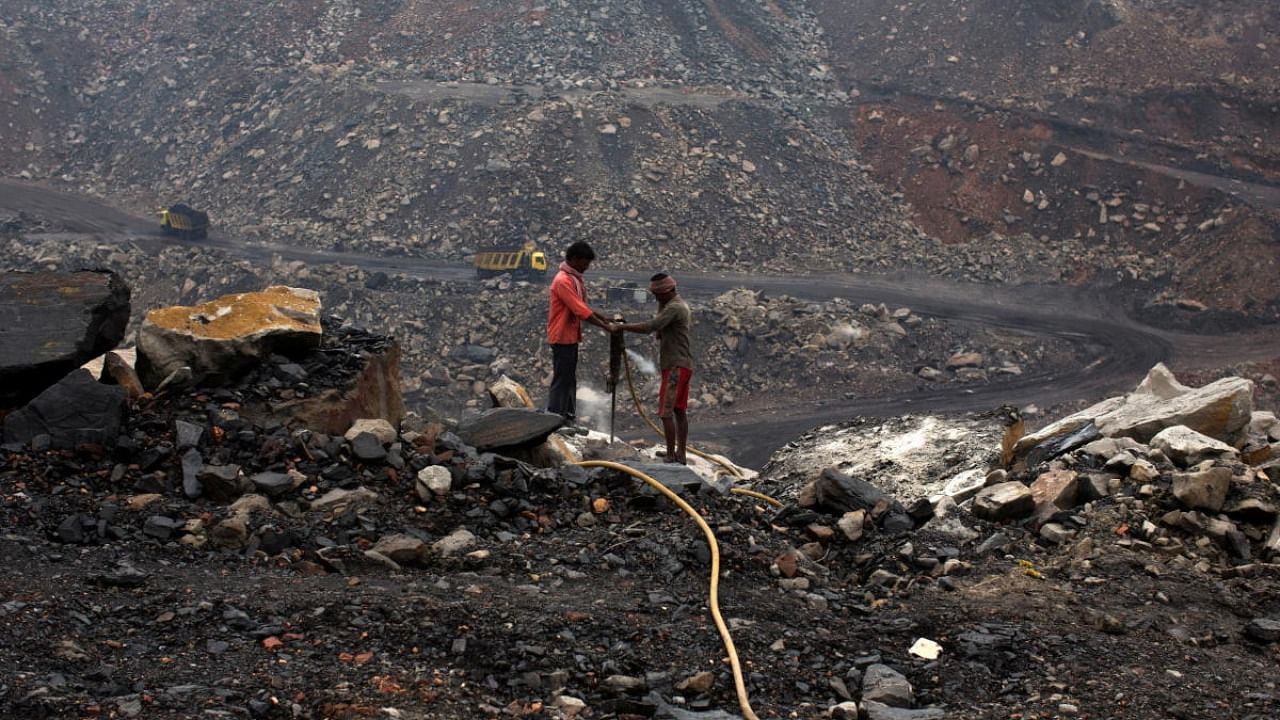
<point>743,702</point>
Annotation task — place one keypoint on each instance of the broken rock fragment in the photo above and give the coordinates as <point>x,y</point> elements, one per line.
<point>1056,488</point>
<point>883,684</point>
<point>1203,490</point>
<point>1005,501</point>
<point>75,411</point>
<point>1186,447</point>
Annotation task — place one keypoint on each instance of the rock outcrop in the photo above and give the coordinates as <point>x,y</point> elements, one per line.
<point>369,390</point>
<point>53,322</point>
<point>1218,410</point>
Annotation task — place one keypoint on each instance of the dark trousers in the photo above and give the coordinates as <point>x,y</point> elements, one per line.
<point>564,380</point>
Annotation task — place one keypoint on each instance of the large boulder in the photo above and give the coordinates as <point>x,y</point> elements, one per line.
<point>222,338</point>
<point>76,411</point>
<point>53,322</point>
<point>1219,410</point>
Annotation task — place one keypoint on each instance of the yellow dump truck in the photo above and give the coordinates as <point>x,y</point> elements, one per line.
<point>524,263</point>
<point>185,222</point>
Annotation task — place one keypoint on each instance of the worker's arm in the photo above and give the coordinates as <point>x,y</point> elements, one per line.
<point>664,318</point>
<point>597,319</point>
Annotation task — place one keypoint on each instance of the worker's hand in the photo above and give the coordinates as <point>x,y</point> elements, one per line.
<point>615,327</point>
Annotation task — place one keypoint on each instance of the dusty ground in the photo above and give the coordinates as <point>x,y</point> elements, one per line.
<point>1130,634</point>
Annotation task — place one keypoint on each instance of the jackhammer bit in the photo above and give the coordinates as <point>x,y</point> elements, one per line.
<point>617,349</point>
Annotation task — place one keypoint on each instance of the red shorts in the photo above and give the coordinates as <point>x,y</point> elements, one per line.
<point>679,399</point>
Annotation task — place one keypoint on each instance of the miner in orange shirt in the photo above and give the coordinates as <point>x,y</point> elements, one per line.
<point>567,310</point>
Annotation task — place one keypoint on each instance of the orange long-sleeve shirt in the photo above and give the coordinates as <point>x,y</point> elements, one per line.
<point>567,310</point>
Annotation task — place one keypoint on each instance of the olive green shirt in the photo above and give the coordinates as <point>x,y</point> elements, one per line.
<point>673,323</point>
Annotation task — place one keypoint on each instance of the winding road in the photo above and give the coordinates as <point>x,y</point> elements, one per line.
<point>1123,349</point>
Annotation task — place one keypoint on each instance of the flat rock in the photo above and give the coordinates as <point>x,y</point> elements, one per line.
<point>77,410</point>
<point>879,711</point>
<point>508,427</point>
<point>344,498</point>
<point>1004,501</point>
<point>272,484</point>
<point>52,323</point>
<point>673,476</point>
<point>222,338</point>
<point>964,359</point>
<point>965,485</point>
<point>378,427</point>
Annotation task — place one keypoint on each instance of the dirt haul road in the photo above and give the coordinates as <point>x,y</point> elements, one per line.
<point>1096,322</point>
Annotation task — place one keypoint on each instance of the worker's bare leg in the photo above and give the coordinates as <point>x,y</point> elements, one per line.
<point>669,432</point>
<point>682,436</point>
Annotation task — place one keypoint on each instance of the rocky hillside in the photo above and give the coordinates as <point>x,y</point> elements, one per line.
<point>1139,127</point>
<point>397,129</point>
<point>180,546</point>
<point>708,135</point>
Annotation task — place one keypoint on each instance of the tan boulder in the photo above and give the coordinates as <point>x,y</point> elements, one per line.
<point>1004,501</point>
<point>1203,490</point>
<point>222,338</point>
<point>402,548</point>
<point>378,427</point>
<point>1186,447</point>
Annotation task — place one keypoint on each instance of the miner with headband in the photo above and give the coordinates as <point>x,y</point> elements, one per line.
<point>672,325</point>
